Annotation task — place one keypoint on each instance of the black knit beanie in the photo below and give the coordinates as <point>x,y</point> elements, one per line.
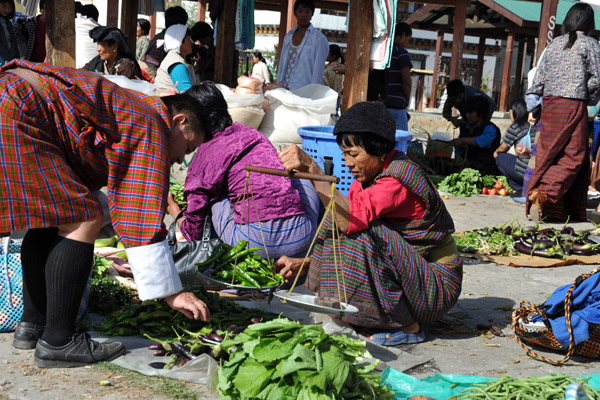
<point>367,117</point>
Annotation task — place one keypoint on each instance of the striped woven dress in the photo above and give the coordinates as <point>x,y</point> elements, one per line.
<point>390,264</point>
<point>80,134</point>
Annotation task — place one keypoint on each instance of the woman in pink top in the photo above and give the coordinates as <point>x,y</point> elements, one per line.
<point>398,256</point>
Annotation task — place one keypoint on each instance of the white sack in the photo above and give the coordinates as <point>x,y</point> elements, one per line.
<point>137,85</point>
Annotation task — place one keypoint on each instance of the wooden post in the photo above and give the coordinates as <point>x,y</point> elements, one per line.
<point>420,89</point>
<point>152,26</point>
<point>201,14</point>
<point>547,25</point>
<point>516,92</point>
<point>225,49</point>
<point>60,33</point>
<point>504,94</point>
<point>360,30</point>
<point>129,12</point>
<point>437,65</point>
<point>458,38</point>
<point>286,22</point>
<point>112,13</point>
<point>479,67</point>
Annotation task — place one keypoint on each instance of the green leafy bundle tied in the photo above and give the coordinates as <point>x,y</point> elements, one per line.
<point>282,359</point>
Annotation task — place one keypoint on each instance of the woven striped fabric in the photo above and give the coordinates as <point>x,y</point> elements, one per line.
<point>386,262</point>
<point>84,134</point>
<point>562,168</point>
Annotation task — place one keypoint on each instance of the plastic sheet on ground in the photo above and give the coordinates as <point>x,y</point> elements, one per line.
<point>524,260</point>
<point>202,369</point>
<point>438,386</point>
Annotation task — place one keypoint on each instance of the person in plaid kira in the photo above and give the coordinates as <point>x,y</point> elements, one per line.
<point>64,134</point>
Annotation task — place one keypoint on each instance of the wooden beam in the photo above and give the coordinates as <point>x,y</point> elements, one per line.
<point>112,13</point>
<point>547,25</point>
<point>420,13</point>
<point>225,50</point>
<point>420,89</point>
<point>201,13</point>
<point>129,12</point>
<point>152,26</point>
<point>437,65</point>
<point>492,5</point>
<point>60,33</point>
<point>286,5</point>
<point>504,94</point>
<point>516,93</point>
<point>458,38</point>
<point>360,29</point>
<point>437,2</point>
<point>480,59</point>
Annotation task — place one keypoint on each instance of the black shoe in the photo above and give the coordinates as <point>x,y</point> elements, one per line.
<point>80,351</point>
<point>27,335</point>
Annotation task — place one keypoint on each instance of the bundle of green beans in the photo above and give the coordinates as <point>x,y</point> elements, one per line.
<point>176,189</point>
<point>550,387</point>
<point>240,266</point>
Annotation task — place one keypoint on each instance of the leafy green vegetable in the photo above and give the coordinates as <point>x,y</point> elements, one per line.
<point>463,184</point>
<point>176,189</point>
<point>504,181</point>
<point>292,361</point>
<point>488,181</point>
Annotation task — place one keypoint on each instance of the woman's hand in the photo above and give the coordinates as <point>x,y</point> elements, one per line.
<point>531,119</point>
<point>289,267</point>
<point>172,207</point>
<point>340,69</point>
<point>189,305</point>
<point>295,159</point>
<point>456,142</point>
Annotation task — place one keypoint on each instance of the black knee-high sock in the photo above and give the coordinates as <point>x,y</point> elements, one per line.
<point>67,271</point>
<point>35,248</point>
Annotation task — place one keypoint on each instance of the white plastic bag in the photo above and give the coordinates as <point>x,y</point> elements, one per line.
<point>244,108</point>
<point>308,106</point>
<point>523,148</point>
<point>137,85</point>
<point>85,48</point>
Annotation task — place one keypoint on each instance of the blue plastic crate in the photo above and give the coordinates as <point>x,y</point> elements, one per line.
<point>319,142</point>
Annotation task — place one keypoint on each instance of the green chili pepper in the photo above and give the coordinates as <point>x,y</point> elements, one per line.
<point>244,275</point>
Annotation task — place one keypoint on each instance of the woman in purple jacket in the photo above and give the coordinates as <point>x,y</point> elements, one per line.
<point>273,211</point>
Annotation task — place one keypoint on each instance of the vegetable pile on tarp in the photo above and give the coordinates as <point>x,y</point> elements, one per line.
<point>157,319</point>
<point>240,266</point>
<point>282,359</point>
<point>487,241</point>
<point>469,182</point>
<point>106,294</point>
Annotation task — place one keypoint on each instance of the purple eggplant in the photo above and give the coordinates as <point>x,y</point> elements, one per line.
<point>160,353</point>
<point>157,365</point>
<point>206,340</point>
<point>216,337</point>
<point>180,350</point>
<point>255,320</point>
<point>200,349</point>
<point>156,346</point>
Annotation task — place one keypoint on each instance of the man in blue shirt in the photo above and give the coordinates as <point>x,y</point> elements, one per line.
<point>458,96</point>
<point>398,77</point>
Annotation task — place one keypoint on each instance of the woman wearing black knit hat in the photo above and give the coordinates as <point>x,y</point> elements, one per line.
<point>400,264</point>
<point>114,54</point>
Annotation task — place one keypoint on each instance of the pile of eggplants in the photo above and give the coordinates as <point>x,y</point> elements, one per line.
<point>190,345</point>
<point>554,243</point>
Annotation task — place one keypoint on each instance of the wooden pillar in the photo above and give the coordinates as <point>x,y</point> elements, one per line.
<point>360,29</point>
<point>458,38</point>
<point>286,22</point>
<point>129,12</point>
<point>420,89</point>
<point>479,67</point>
<point>112,13</point>
<point>547,25</point>
<point>152,26</point>
<point>504,94</point>
<point>60,33</point>
<point>201,14</point>
<point>437,65</point>
<point>516,93</point>
<point>225,49</point>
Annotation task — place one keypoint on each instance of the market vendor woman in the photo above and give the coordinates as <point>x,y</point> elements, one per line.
<point>65,134</point>
<point>398,255</point>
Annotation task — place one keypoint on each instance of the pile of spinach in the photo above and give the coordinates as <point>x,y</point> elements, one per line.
<point>465,183</point>
<point>282,359</point>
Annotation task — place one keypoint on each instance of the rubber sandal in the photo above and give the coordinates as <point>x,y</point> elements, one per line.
<point>397,337</point>
<point>535,211</point>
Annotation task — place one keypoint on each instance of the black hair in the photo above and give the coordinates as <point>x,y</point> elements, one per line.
<point>402,28</point>
<point>90,11</point>
<point>579,18</point>
<point>183,103</point>
<point>335,51</point>
<point>455,87</point>
<point>42,4</point>
<point>201,30</point>
<point>519,110</point>
<point>175,15</point>
<point>259,55</point>
<point>374,145</point>
<point>215,116</point>
<point>478,104</point>
<point>144,25</point>
<point>306,3</point>
<point>12,14</point>
<point>78,6</point>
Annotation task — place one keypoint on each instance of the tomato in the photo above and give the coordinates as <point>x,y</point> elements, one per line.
<point>492,192</point>
<point>503,192</point>
<point>484,190</point>
<point>498,185</point>
<point>446,197</point>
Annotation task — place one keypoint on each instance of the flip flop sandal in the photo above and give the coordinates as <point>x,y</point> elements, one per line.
<point>535,210</point>
<point>396,337</point>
